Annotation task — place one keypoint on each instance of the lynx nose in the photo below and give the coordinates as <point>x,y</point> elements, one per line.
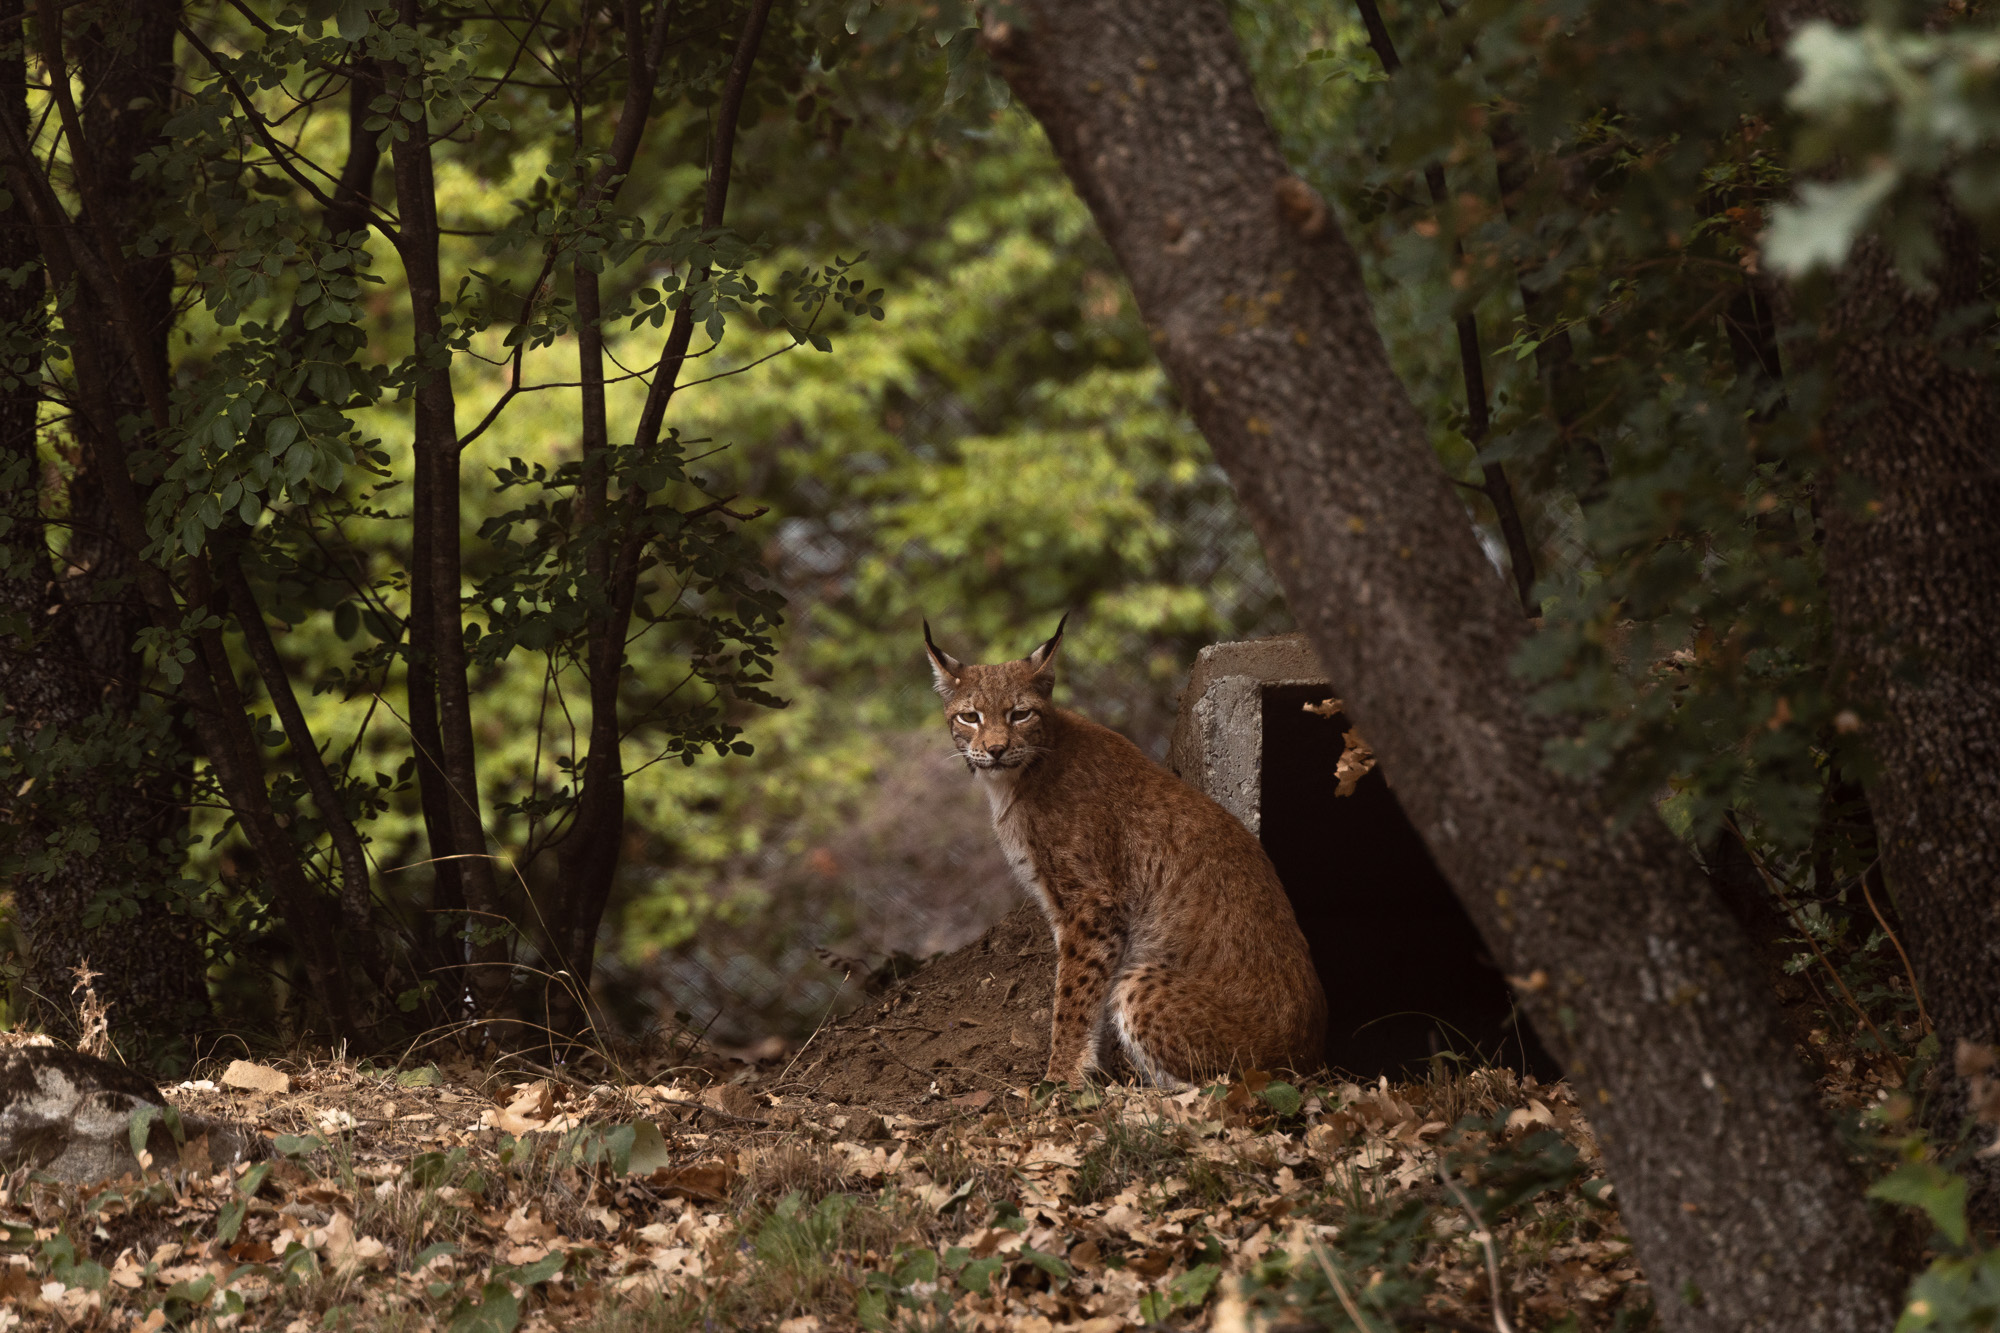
<point>995,750</point>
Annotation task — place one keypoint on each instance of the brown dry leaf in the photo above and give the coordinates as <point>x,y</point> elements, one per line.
<point>709,1182</point>
<point>730,1099</point>
<point>126,1271</point>
<point>524,1227</point>
<point>346,1250</point>
<point>256,1078</point>
<point>1356,760</point>
<point>528,1113</point>
<point>536,1101</point>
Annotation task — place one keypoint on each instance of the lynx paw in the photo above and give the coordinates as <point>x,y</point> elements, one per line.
<point>1081,1074</point>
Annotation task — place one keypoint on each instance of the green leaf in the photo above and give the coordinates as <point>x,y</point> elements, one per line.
<point>430,1252</point>
<point>1048,1263</point>
<point>495,1312</point>
<point>1956,1294</point>
<point>542,1269</point>
<point>141,1125</point>
<point>976,1275</point>
<point>297,1145</point>
<point>1930,1187</point>
<point>230,1220</point>
<point>1191,1288</point>
<point>1282,1098</point>
<point>920,1266</point>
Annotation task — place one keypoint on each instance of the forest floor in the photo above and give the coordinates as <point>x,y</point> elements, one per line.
<point>902,1170</point>
<point>484,1201</point>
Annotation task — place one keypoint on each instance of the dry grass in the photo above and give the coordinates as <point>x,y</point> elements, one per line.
<point>487,1200</point>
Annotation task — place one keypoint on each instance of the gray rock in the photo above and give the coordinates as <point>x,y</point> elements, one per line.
<point>69,1115</point>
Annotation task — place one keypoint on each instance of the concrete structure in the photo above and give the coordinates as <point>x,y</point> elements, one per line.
<point>1218,740</point>
<point>1405,972</point>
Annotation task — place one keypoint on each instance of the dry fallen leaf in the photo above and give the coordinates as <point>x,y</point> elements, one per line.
<point>1356,760</point>
<point>706,1181</point>
<point>256,1078</point>
<point>730,1099</point>
<point>524,1227</point>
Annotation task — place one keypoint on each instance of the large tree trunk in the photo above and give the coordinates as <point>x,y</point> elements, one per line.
<point>1913,568</point>
<point>72,683</point>
<point>1744,1210</point>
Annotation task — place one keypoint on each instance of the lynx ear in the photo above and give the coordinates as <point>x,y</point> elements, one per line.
<point>945,668</point>
<point>1042,658</point>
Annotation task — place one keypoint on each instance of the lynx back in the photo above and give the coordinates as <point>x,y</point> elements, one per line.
<point>1173,936</point>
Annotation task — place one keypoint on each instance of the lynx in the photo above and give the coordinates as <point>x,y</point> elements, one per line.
<point>1171,927</point>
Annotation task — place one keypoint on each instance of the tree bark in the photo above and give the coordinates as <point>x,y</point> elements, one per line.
<point>1913,573</point>
<point>1744,1210</point>
<point>116,306</point>
<point>69,679</point>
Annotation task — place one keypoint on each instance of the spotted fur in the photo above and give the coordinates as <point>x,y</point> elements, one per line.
<point>1173,936</point>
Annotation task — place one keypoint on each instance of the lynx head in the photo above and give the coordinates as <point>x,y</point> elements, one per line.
<point>998,714</point>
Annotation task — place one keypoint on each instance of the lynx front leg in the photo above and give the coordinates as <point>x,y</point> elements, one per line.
<point>1086,958</point>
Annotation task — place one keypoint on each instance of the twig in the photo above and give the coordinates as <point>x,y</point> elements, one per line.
<point>1339,1287</point>
<point>1484,1235</point>
<point>799,1054</point>
<point>1923,1015</point>
<point>710,1110</point>
<point>1498,491</point>
<point>546,1072</point>
<point>1771,882</point>
<point>873,1028</point>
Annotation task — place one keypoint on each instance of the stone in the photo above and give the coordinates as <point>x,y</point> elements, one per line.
<point>69,1116</point>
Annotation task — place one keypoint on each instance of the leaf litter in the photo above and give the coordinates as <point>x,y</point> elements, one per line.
<point>484,1201</point>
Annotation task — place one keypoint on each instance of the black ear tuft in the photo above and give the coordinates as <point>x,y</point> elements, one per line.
<point>1044,655</point>
<point>945,669</point>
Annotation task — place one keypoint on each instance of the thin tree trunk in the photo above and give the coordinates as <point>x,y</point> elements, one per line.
<point>1913,571</point>
<point>440,691</point>
<point>354,896</point>
<point>1744,1209</point>
<point>590,851</point>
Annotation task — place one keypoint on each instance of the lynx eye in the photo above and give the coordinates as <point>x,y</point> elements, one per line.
<point>1020,715</point>
<point>969,719</point>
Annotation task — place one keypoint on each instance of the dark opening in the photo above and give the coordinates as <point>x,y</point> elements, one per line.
<point>1405,972</point>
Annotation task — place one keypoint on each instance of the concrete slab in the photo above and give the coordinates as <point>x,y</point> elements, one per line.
<point>1218,739</point>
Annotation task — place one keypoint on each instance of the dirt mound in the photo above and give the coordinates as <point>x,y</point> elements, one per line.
<point>975,1020</point>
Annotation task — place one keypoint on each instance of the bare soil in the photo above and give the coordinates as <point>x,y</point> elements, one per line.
<point>974,1020</point>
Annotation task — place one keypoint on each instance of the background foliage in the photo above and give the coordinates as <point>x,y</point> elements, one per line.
<point>998,447</point>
